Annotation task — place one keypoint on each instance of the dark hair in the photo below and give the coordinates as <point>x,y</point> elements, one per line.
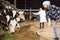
<point>42,7</point>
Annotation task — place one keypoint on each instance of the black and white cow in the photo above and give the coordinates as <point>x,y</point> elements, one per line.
<point>21,15</point>
<point>14,21</point>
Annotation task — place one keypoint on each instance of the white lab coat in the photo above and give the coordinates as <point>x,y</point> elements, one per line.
<point>42,15</point>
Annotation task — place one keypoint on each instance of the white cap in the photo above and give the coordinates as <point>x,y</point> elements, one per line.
<point>46,3</point>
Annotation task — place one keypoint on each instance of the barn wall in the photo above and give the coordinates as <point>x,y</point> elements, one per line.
<point>32,3</point>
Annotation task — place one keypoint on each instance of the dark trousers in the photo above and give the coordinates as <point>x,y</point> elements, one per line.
<point>41,25</point>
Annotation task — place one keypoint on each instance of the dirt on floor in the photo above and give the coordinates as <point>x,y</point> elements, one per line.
<point>25,34</point>
<point>28,32</point>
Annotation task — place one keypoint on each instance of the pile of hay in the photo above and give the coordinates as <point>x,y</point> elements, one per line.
<point>25,34</point>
